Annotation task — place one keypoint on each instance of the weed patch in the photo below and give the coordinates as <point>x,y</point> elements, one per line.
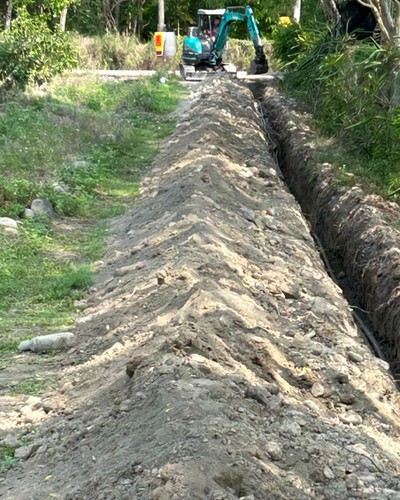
<point>7,460</point>
<point>34,387</point>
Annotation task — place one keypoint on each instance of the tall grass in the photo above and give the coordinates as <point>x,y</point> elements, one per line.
<point>124,52</point>
<point>352,88</point>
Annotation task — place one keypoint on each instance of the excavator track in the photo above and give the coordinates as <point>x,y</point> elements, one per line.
<point>200,73</point>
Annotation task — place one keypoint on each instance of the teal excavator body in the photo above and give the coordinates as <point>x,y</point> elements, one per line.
<point>203,49</point>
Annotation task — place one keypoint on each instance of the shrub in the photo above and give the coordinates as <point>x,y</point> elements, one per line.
<point>32,53</point>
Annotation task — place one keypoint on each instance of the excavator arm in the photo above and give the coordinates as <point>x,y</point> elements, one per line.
<point>232,15</point>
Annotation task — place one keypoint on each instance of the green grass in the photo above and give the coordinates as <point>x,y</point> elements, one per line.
<point>7,460</point>
<point>95,139</point>
<point>34,387</point>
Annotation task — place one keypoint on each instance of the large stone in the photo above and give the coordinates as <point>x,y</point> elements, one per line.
<point>28,213</point>
<point>317,390</point>
<point>351,417</point>
<point>7,222</point>
<point>274,451</point>
<point>41,206</point>
<point>46,342</point>
<point>25,452</point>
<point>11,441</point>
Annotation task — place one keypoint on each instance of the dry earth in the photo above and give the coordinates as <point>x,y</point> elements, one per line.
<point>217,359</point>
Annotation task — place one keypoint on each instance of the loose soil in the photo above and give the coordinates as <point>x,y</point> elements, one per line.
<point>217,359</point>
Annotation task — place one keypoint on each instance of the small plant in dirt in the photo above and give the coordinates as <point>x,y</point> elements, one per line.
<point>33,387</point>
<point>7,460</point>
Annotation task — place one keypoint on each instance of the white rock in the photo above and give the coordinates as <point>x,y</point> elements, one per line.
<point>291,428</point>
<point>274,451</point>
<point>25,452</point>
<point>28,213</point>
<point>312,405</point>
<point>8,222</point>
<point>125,405</point>
<point>47,342</point>
<point>353,356</point>
<point>384,364</point>
<point>34,402</point>
<point>328,472</point>
<point>317,390</point>
<point>12,441</point>
<point>351,417</point>
<point>41,206</point>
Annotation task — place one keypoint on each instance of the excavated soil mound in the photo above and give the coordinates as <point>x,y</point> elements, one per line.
<point>218,359</point>
<point>359,229</point>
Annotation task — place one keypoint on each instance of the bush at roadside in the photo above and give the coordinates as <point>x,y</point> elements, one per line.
<point>30,52</point>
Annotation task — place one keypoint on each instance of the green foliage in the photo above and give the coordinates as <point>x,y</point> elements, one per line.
<point>84,137</point>
<point>352,89</point>
<point>114,51</point>
<point>32,387</point>
<point>291,42</point>
<point>33,53</point>
<point>123,52</point>
<point>7,460</point>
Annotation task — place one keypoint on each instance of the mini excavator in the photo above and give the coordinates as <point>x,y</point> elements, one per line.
<point>203,48</point>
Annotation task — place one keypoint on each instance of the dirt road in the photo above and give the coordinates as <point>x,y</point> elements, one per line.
<point>217,360</point>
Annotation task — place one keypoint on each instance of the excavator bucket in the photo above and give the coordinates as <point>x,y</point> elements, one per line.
<point>258,68</point>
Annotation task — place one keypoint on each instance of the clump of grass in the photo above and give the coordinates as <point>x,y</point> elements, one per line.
<point>34,387</point>
<point>113,51</point>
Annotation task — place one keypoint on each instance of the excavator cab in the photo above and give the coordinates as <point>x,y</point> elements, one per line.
<point>204,46</point>
<point>198,44</point>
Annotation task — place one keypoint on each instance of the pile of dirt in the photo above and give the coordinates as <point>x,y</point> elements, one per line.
<point>217,360</point>
<point>358,229</point>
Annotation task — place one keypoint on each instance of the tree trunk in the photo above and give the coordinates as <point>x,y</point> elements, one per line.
<point>364,16</point>
<point>7,9</point>
<point>63,18</point>
<point>117,11</point>
<point>135,25</point>
<point>297,11</point>
<point>108,18</point>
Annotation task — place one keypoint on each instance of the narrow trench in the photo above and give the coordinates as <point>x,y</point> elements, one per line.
<point>333,261</point>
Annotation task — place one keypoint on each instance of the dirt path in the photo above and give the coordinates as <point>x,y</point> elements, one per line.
<point>217,360</point>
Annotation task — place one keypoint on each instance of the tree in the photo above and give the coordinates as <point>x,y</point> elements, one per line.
<point>387,15</point>
<point>366,15</point>
<point>7,9</point>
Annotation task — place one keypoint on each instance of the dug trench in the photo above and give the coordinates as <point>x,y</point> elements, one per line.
<point>357,232</point>
<point>218,360</point>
